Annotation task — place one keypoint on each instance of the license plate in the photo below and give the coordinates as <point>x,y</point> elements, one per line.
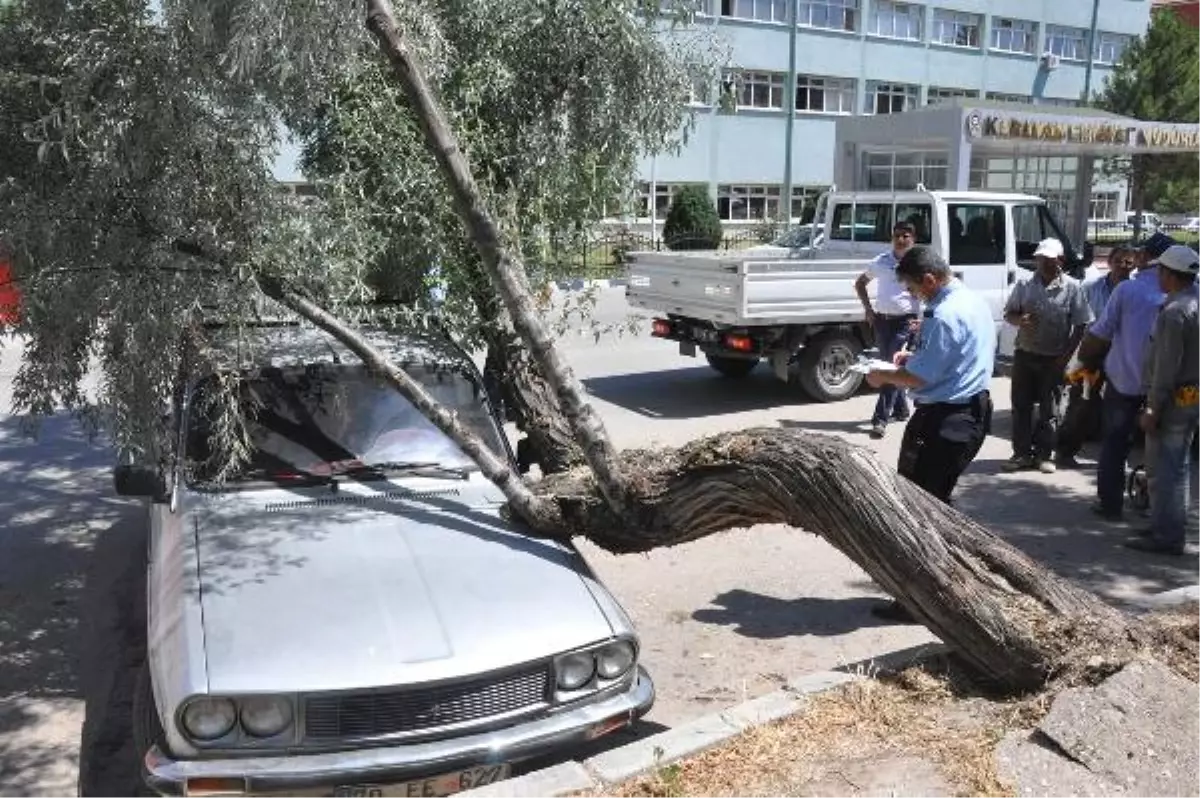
<point>447,784</point>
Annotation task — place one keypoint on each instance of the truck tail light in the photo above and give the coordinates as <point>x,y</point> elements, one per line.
<point>661,328</point>
<point>741,343</point>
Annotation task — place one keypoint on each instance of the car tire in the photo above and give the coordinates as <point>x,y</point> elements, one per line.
<point>147,729</point>
<point>732,367</point>
<point>823,367</point>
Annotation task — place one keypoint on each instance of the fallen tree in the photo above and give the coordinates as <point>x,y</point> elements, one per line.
<point>1013,620</point>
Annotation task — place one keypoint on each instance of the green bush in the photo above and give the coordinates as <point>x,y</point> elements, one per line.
<point>692,221</point>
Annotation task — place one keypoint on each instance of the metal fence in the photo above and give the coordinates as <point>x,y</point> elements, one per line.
<point>1109,233</point>
<point>605,257</point>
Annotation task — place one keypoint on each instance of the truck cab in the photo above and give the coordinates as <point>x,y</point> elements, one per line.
<point>798,309</point>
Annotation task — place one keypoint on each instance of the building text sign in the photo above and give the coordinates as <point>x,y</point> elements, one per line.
<point>1118,133</point>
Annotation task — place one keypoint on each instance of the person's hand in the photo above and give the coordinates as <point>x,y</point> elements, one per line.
<point>1027,320</point>
<point>900,358</point>
<point>1148,421</point>
<point>876,379</point>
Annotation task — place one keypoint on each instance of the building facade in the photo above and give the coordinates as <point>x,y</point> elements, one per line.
<point>856,57</point>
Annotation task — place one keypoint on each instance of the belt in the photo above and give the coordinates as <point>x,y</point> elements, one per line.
<point>975,401</point>
<point>889,316</point>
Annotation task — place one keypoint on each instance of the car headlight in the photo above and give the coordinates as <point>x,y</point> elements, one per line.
<point>575,670</point>
<point>209,718</point>
<point>614,660</point>
<point>265,716</point>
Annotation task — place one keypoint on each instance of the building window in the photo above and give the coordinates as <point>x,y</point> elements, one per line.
<point>895,20</point>
<point>761,90</point>
<point>1014,35</point>
<point>828,14</point>
<point>1061,102</point>
<point>819,95</point>
<point>663,194</point>
<point>747,203</point>
<point>938,94</point>
<point>1005,97</point>
<point>1104,205</point>
<point>904,171</point>
<point>955,28</point>
<point>760,10</point>
<point>1110,47</point>
<point>1069,44</point>
<point>891,98</point>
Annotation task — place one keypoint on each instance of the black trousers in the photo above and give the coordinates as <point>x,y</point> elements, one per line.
<point>1036,386</point>
<point>1083,420</point>
<point>941,440</point>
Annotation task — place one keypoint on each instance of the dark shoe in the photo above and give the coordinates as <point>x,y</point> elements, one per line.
<point>1108,515</point>
<point>1017,463</point>
<point>1152,546</point>
<point>878,430</point>
<point>900,417</point>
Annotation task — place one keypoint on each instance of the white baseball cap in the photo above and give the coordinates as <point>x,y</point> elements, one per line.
<point>1179,258</point>
<point>1050,247</point>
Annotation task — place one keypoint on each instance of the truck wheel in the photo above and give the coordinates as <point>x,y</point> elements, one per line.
<point>824,367</point>
<point>147,730</point>
<point>734,367</point>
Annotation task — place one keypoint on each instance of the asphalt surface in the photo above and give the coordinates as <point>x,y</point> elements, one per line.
<point>721,619</point>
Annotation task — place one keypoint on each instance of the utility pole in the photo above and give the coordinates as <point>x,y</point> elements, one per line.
<point>789,105</point>
<point>1087,72</point>
<point>713,145</point>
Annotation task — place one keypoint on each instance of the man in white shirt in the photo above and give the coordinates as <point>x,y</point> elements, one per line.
<point>892,318</point>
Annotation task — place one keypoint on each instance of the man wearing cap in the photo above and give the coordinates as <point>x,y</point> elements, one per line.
<point>1171,381</point>
<point>894,312</point>
<point>1120,336</point>
<point>1083,417</point>
<point>1051,313</point>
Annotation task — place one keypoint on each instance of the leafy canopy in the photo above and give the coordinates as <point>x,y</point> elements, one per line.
<point>137,197</point>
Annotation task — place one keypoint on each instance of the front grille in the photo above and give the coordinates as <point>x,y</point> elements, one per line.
<point>408,710</point>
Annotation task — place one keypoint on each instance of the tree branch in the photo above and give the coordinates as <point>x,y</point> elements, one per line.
<point>540,513</point>
<point>506,275</point>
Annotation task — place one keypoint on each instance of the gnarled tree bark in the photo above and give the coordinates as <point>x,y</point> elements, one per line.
<point>1015,621</point>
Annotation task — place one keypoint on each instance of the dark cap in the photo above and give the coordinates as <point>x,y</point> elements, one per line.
<point>919,261</point>
<point>1157,244</point>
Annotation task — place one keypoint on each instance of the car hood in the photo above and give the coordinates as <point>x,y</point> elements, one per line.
<point>378,584</point>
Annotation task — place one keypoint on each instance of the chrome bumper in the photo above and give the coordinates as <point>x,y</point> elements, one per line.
<point>405,762</point>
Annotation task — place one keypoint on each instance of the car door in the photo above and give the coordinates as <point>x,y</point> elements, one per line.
<point>977,236</point>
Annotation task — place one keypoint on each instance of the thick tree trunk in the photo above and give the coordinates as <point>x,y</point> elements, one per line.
<point>1013,620</point>
<point>506,275</point>
<point>537,510</point>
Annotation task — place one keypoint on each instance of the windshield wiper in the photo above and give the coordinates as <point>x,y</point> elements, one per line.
<point>405,466</point>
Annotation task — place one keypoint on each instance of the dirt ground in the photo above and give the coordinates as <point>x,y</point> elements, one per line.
<point>914,733</point>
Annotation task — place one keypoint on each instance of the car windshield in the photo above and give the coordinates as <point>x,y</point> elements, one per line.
<point>318,422</point>
<point>795,237</point>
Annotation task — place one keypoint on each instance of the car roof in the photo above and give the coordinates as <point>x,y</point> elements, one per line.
<point>296,345</point>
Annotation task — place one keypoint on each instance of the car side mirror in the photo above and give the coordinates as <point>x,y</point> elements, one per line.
<point>137,480</point>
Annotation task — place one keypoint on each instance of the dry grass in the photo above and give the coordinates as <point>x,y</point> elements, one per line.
<point>916,716</point>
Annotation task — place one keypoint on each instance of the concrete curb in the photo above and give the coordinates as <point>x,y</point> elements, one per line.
<point>694,737</point>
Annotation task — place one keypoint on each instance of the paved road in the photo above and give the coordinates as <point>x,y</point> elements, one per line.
<point>721,619</point>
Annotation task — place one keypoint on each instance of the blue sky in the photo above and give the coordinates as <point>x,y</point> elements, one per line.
<point>287,158</point>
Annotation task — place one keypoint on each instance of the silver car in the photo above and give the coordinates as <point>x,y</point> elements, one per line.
<point>348,612</point>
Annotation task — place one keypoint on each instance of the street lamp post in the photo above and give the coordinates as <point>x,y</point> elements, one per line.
<point>1087,72</point>
<point>789,104</point>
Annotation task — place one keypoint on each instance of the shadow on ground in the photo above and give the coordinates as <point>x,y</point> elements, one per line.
<point>768,618</point>
<point>54,499</point>
<point>1053,525</point>
<point>694,392</point>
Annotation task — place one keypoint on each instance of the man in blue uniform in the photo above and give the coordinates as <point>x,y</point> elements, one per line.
<point>948,375</point>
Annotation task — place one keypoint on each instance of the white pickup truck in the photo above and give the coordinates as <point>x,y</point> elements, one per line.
<point>797,309</point>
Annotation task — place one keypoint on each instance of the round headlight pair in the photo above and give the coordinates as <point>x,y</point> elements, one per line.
<point>608,662</point>
<point>213,718</point>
